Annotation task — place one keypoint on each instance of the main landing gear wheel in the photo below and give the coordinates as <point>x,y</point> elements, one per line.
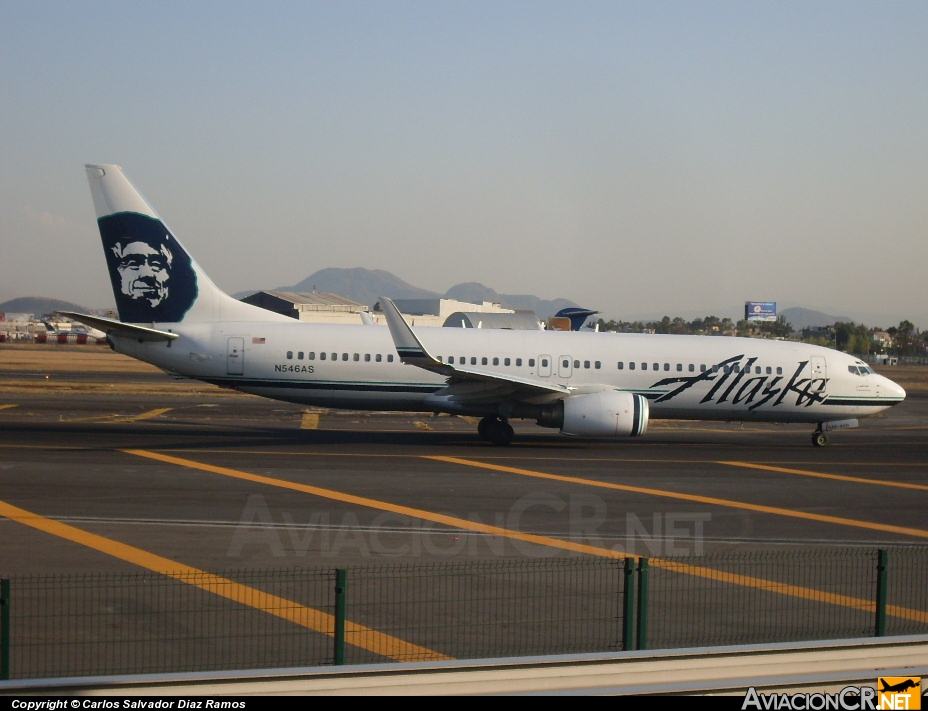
<point>819,438</point>
<point>494,430</point>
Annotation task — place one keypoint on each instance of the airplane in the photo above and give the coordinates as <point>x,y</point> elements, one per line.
<point>581,383</point>
<point>74,330</point>
<point>899,688</point>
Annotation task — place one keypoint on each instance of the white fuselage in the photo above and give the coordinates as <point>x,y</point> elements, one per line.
<point>683,377</point>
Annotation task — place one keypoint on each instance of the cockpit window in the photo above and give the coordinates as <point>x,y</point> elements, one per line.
<point>853,370</point>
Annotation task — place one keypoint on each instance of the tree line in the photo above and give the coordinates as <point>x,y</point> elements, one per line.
<point>904,339</point>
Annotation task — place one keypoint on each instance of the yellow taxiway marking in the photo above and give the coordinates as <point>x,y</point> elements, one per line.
<point>728,503</point>
<point>7,407</point>
<point>823,475</point>
<point>146,415</point>
<point>452,521</point>
<point>355,634</point>
<point>464,524</point>
<point>310,421</point>
<point>121,418</point>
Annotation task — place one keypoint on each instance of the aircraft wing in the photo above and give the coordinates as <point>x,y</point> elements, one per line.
<point>494,385</point>
<point>118,328</point>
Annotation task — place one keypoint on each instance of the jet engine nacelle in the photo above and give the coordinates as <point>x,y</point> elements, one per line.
<point>605,414</point>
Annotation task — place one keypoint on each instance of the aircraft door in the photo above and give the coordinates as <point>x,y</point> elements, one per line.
<point>235,356</point>
<point>819,373</point>
<point>564,368</point>
<point>544,366</point>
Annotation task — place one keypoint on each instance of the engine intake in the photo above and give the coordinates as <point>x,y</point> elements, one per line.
<point>605,414</point>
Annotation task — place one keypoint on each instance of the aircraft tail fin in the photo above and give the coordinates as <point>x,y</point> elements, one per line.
<point>154,278</point>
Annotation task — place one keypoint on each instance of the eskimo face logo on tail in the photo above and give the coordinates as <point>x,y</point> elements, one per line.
<point>153,278</point>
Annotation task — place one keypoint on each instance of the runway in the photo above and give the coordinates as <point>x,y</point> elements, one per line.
<point>216,480</point>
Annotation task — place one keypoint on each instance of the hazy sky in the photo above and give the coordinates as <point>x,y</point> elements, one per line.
<point>641,158</point>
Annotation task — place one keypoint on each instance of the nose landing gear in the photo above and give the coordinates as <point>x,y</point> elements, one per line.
<point>819,439</point>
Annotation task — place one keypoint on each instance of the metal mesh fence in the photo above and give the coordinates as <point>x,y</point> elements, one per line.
<point>84,625</point>
<point>742,598</point>
<point>493,608</point>
<point>907,594</point>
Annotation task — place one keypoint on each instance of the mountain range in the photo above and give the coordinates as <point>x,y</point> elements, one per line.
<point>367,285</point>
<point>800,318</point>
<point>39,306</point>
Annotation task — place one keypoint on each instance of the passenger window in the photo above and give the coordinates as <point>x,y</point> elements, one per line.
<point>377,357</point>
<point>597,365</point>
<point>544,362</point>
<point>518,362</point>
<point>506,361</point>
<point>657,366</point>
<point>483,361</point>
<point>631,365</point>
<point>311,355</point>
<point>769,370</point>
<point>322,356</point>
<point>299,355</point>
<point>702,368</point>
<point>621,365</point>
<point>389,357</point>
<point>451,360</point>
<point>344,356</point>
<point>692,368</point>
<point>757,370</point>
<point>779,370</point>
<point>679,367</point>
<point>586,364</point>
<point>367,357</point>
<point>644,366</point>
<point>531,362</point>
<point>666,366</point>
<point>335,356</point>
<point>356,357</point>
<point>576,364</point>
<point>473,360</point>
<point>496,361</point>
<point>289,355</point>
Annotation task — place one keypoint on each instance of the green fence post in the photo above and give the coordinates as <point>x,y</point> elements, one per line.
<point>642,604</point>
<point>628,606</point>
<point>881,575</point>
<point>4,629</point>
<point>341,582</point>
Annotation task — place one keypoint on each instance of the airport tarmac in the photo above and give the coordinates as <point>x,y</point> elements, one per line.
<point>102,467</point>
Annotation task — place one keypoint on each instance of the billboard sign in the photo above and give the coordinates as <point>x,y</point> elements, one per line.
<point>760,310</point>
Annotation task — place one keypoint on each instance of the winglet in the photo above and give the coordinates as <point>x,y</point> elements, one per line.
<point>408,346</point>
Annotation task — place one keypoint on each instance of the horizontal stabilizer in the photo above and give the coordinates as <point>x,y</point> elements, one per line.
<point>117,328</point>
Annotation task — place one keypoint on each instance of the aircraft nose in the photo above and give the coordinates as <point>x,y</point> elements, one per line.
<point>892,390</point>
